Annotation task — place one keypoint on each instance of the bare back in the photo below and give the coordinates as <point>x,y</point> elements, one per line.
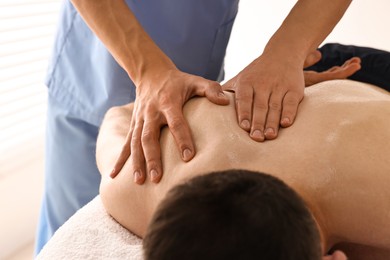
<point>335,156</point>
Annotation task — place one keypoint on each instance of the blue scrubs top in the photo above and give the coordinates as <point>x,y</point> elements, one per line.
<point>86,80</point>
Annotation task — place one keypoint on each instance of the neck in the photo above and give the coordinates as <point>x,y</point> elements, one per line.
<point>323,233</point>
<point>328,239</point>
<point>322,219</point>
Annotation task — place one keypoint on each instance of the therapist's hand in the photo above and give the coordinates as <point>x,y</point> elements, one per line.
<point>159,101</point>
<point>267,94</point>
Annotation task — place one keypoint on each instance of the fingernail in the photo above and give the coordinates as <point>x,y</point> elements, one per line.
<point>187,154</point>
<point>269,131</point>
<point>257,134</point>
<point>137,176</point>
<point>285,121</point>
<point>153,175</point>
<point>221,94</point>
<point>245,124</point>
<point>112,173</point>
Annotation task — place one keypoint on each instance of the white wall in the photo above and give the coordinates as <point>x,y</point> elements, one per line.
<point>365,23</point>
<point>26,36</point>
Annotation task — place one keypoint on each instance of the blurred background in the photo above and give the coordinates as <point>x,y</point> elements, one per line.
<point>27,29</point>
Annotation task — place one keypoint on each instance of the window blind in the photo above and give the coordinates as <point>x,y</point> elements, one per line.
<point>27,29</point>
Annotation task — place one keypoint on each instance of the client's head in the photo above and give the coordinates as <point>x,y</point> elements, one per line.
<point>234,214</point>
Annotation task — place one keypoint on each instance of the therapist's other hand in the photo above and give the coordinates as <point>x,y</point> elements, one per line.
<point>337,72</point>
<point>159,101</point>
<point>267,94</point>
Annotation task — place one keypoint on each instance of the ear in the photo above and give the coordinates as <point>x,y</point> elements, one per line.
<point>337,255</point>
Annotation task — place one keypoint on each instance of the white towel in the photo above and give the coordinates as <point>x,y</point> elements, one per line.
<point>92,234</point>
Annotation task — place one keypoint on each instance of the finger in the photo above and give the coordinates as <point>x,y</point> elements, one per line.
<point>215,94</point>
<point>352,60</point>
<point>181,133</point>
<point>151,148</point>
<point>260,109</point>
<point>312,58</point>
<point>273,115</point>
<point>123,156</point>
<point>125,152</point>
<point>290,107</point>
<point>244,100</point>
<point>137,156</point>
<point>352,65</point>
<point>333,68</point>
<point>210,89</point>
<point>346,71</point>
<point>339,72</point>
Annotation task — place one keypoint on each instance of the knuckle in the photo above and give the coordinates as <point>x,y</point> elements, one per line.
<point>165,102</point>
<point>260,106</point>
<point>151,161</point>
<point>165,99</point>
<point>244,109</point>
<point>135,140</point>
<point>136,161</point>
<point>243,112</point>
<point>295,97</point>
<point>244,79</point>
<point>244,96</point>
<point>147,137</point>
<point>275,106</point>
<point>291,101</point>
<point>176,124</point>
<point>288,111</point>
<point>272,121</point>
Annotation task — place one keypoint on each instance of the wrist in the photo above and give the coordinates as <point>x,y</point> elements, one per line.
<point>287,56</point>
<point>287,49</point>
<point>144,59</point>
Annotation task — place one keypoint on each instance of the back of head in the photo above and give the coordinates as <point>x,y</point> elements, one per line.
<point>234,214</point>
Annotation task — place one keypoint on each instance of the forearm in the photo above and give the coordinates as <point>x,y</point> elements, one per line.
<point>306,26</point>
<point>117,27</point>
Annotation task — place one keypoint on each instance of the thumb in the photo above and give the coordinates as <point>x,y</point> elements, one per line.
<point>213,91</point>
<point>312,58</point>
<point>312,77</point>
<point>123,156</point>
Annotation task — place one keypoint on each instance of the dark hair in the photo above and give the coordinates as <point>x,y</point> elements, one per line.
<point>234,214</point>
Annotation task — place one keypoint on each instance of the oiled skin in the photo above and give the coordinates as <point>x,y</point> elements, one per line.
<point>336,156</point>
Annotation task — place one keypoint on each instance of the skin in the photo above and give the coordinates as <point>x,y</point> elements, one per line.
<point>334,165</point>
<point>268,91</point>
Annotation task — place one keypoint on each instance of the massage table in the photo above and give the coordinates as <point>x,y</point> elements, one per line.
<point>92,234</point>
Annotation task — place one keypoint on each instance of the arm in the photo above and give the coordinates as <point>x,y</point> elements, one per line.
<point>273,83</point>
<point>124,37</point>
<point>161,88</point>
